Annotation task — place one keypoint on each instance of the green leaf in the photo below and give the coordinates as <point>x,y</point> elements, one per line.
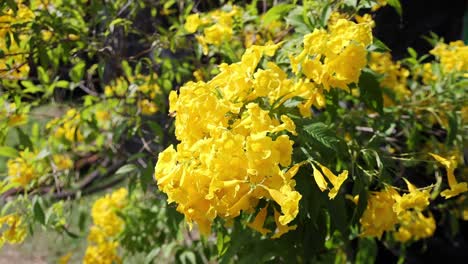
<point>378,46</point>
<point>12,4</point>
<point>127,69</point>
<point>38,212</point>
<point>62,84</point>
<point>452,128</point>
<point>77,72</point>
<point>367,251</point>
<point>370,90</point>
<point>322,134</point>
<point>43,75</point>
<point>147,176</point>
<point>24,139</point>
<point>8,152</point>
<point>395,4</point>
<point>125,169</point>
<point>412,53</point>
<point>31,88</point>
<point>222,243</point>
<point>276,12</point>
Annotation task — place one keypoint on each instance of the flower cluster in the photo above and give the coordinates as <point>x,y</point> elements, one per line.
<point>67,127</point>
<point>142,88</point>
<point>455,188</point>
<point>217,26</point>
<point>335,58</point>
<point>11,115</point>
<point>12,229</point>
<point>452,56</point>
<point>25,169</point>
<point>14,64</point>
<point>403,215</point>
<point>394,75</point>
<point>102,247</point>
<point>232,153</point>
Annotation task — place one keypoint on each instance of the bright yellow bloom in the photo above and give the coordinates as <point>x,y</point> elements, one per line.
<point>17,119</point>
<point>102,247</point>
<point>192,23</point>
<point>259,221</point>
<point>218,28</point>
<point>450,165</point>
<point>62,162</point>
<point>12,229</point>
<point>414,225</point>
<point>281,229</point>
<point>104,253</point>
<point>379,215</point>
<point>415,199</point>
<point>69,126</point>
<point>453,57</point>
<point>395,76</point>
<point>336,181</point>
<point>335,58</point>
<point>104,212</point>
<point>24,169</point>
<point>232,153</point>
<point>147,107</point>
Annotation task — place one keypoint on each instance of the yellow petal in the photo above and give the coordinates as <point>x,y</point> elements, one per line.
<point>319,179</point>
<point>258,222</point>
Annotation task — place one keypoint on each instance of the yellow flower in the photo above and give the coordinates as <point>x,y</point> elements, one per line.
<point>414,199</point>
<point>453,57</point>
<point>24,169</point>
<point>379,215</point>
<point>17,119</point>
<point>259,221</point>
<point>336,181</point>
<point>63,162</point>
<point>46,35</point>
<point>414,226</point>
<point>65,259</point>
<point>281,229</point>
<point>102,247</point>
<point>192,23</point>
<point>288,201</point>
<point>104,212</point>
<point>335,58</point>
<point>104,253</point>
<point>147,107</point>
<point>455,188</point>
<point>232,153</point>
<point>395,76</point>
<point>12,229</point>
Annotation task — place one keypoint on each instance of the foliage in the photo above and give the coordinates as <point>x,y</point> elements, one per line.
<point>227,131</point>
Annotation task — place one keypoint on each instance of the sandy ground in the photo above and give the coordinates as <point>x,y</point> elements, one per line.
<point>20,255</point>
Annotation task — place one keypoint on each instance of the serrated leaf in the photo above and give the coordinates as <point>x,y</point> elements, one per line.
<point>322,134</point>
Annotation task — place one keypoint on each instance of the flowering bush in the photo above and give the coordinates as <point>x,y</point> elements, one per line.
<point>184,131</point>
